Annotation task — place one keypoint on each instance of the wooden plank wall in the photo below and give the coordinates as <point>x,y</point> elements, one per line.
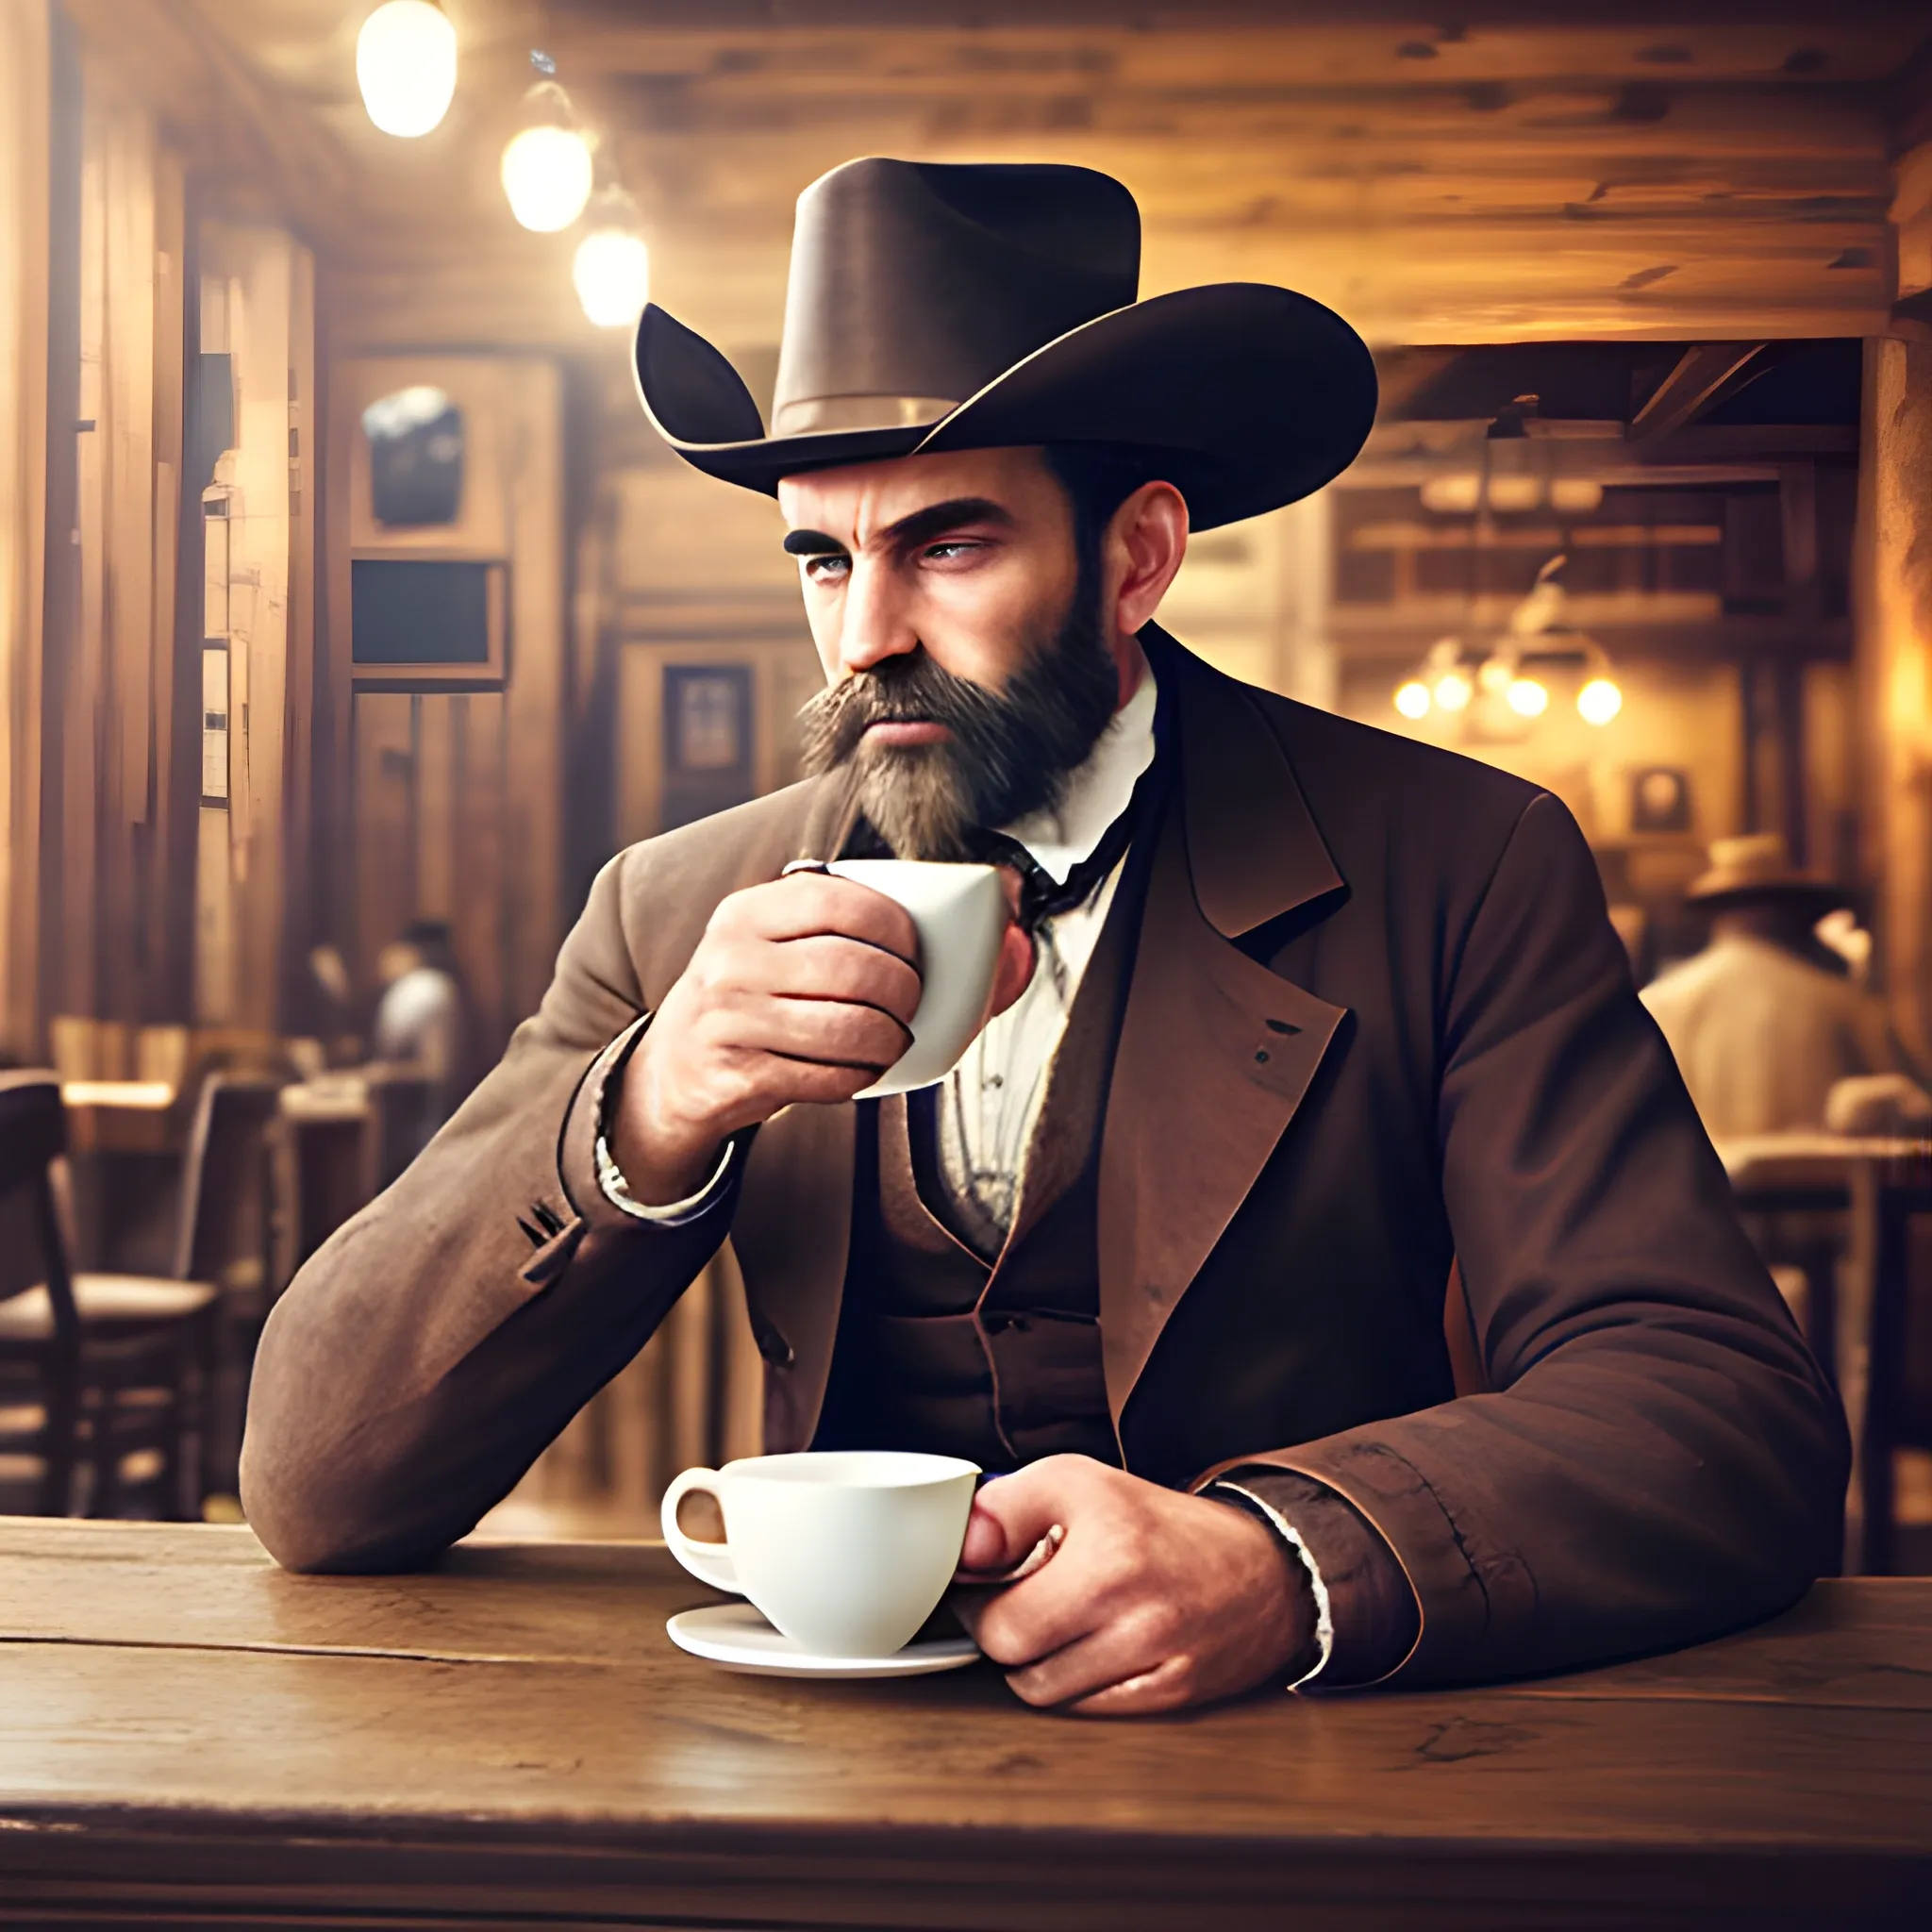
<point>453,803</point>
<point>26,80</point>
<point>112,787</point>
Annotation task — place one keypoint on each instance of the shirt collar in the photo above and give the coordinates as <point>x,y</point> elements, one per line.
<point>1098,792</point>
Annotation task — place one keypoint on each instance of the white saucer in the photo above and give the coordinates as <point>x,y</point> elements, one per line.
<point>737,1637</point>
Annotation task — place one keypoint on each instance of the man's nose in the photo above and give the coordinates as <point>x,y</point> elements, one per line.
<point>874,621</point>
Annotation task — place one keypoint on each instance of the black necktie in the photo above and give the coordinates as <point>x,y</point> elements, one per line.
<point>1042,895</point>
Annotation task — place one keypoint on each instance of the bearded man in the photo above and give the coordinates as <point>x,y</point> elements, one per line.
<point>1319,1234</point>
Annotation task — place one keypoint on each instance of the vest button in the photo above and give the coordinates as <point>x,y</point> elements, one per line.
<point>777,1351</point>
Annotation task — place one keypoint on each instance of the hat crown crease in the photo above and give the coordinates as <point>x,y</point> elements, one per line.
<point>913,286</point>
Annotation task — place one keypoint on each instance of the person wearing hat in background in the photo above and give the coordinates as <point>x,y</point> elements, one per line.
<point>1763,1029</point>
<point>1317,1233</point>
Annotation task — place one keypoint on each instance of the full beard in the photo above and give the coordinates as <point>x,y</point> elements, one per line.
<point>1007,752</point>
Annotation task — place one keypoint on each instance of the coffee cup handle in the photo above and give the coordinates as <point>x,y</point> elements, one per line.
<point>708,1562</point>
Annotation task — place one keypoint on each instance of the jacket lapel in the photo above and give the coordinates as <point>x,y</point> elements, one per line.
<point>1216,1051</point>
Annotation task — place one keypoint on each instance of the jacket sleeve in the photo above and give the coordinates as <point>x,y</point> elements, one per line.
<point>440,1339</point>
<point>1659,1458</point>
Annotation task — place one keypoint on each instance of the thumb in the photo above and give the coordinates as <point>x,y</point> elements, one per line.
<point>1013,972</point>
<point>1010,1515</point>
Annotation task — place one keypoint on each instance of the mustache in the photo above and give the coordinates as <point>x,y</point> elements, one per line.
<point>912,690</point>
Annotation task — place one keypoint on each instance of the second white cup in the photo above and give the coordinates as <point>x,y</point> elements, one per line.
<point>846,1552</point>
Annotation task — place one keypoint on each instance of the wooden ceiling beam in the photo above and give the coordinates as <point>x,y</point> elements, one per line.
<point>1702,372</point>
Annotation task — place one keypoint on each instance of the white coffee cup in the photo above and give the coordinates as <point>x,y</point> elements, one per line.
<point>959,912</point>
<point>847,1552</point>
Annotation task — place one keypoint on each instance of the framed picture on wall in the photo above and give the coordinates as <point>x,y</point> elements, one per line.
<point>425,624</point>
<point>709,739</point>
<point>1660,799</point>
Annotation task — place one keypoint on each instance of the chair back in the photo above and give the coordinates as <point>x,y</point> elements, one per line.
<point>405,1120</point>
<point>33,1246</point>
<point>224,1233</point>
<point>323,1165</point>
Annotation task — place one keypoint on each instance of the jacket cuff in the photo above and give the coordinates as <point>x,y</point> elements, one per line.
<point>583,1129</point>
<point>1368,1618</point>
<point>1464,1588</point>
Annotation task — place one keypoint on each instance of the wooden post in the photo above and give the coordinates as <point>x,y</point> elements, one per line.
<point>26,88</point>
<point>1894,610</point>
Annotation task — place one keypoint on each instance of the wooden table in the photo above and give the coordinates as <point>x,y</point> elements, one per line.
<point>189,1737</point>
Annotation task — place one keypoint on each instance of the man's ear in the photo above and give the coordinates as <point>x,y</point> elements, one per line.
<point>1147,539</point>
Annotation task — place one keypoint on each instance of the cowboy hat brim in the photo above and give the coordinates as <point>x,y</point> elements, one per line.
<point>1717,892</point>
<point>1245,396</point>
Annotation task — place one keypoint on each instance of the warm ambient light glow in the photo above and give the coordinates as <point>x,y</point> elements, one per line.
<point>612,274</point>
<point>1527,698</point>
<point>1599,700</point>
<point>1454,691</point>
<point>1412,700</point>
<point>405,65</point>
<point>547,175</point>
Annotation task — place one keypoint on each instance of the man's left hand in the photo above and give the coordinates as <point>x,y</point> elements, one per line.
<point>1156,1599</point>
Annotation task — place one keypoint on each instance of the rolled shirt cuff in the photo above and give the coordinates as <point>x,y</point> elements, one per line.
<point>1324,1618</point>
<point>673,1213</point>
<point>1367,1616</point>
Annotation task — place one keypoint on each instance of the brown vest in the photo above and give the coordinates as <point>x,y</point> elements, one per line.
<point>996,1358</point>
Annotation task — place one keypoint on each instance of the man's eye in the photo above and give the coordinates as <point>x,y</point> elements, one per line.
<point>828,567</point>
<point>951,551</point>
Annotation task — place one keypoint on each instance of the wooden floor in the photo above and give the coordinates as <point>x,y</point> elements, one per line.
<point>189,1735</point>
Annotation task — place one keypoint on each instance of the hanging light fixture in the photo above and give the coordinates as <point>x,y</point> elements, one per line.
<point>547,175</point>
<point>405,65</point>
<point>1599,700</point>
<point>1527,698</point>
<point>613,276</point>
<point>547,170</point>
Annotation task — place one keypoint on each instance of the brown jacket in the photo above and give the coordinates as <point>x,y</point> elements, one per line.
<point>1377,1021</point>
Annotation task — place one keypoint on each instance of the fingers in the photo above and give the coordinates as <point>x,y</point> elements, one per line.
<point>1014,973</point>
<point>1125,1664</point>
<point>804,905</point>
<point>1013,1513</point>
<point>823,967</point>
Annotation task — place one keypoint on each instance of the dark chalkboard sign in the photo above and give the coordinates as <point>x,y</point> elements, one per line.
<point>427,625</point>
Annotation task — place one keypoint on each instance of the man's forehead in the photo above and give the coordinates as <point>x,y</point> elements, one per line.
<point>857,501</point>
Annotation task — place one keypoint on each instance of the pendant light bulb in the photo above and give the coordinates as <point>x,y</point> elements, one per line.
<point>547,175</point>
<point>613,276</point>
<point>1412,699</point>
<point>405,65</point>
<point>1527,698</point>
<point>1599,700</point>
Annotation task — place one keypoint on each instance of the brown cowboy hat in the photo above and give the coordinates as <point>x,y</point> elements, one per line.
<point>937,306</point>
<point>1756,869</point>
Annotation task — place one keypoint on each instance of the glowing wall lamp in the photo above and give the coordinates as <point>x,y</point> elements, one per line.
<point>612,274</point>
<point>1599,700</point>
<point>1527,698</point>
<point>405,65</point>
<point>547,175</point>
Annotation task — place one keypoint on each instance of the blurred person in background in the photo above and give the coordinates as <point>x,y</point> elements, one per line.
<point>423,1017</point>
<point>1764,1022</point>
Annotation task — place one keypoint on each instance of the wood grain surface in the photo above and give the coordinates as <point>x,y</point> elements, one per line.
<point>189,1735</point>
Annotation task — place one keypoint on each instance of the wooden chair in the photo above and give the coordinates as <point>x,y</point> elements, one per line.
<point>1898,1415</point>
<point>142,1348</point>
<point>40,1328</point>
<point>224,1238</point>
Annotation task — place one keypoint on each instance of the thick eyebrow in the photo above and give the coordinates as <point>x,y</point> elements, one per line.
<point>812,544</point>
<point>920,526</point>
<point>936,518</point>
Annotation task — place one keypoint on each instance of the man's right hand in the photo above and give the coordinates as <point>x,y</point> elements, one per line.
<point>801,990</point>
